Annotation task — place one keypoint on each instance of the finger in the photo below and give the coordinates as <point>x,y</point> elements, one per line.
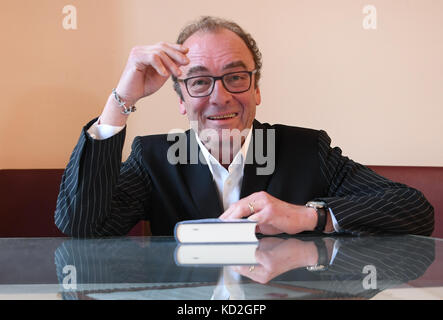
<point>158,65</point>
<point>234,211</point>
<point>178,56</point>
<point>231,213</point>
<point>158,57</point>
<point>256,273</point>
<point>255,217</point>
<point>240,269</point>
<point>264,223</point>
<point>177,46</point>
<point>264,258</point>
<point>241,207</point>
<point>169,64</point>
<point>244,209</point>
<point>227,213</point>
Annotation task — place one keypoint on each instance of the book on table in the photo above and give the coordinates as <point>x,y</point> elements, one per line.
<point>215,254</point>
<point>216,231</point>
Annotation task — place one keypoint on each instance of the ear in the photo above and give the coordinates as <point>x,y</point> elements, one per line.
<point>182,107</point>
<point>257,95</point>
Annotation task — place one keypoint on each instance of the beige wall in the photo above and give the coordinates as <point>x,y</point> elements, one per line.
<point>378,93</point>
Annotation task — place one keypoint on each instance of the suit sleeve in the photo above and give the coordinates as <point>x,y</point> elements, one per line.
<point>364,202</point>
<point>365,266</point>
<point>100,196</point>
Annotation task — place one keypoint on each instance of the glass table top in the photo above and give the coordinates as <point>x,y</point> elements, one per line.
<point>300,267</point>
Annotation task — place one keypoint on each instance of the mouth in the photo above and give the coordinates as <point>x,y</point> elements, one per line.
<point>223,116</point>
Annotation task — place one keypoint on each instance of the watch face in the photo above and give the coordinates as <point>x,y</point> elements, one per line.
<point>317,267</point>
<point>316,204</point>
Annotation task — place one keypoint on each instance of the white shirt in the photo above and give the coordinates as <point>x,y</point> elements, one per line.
<point>228,181</point>
<point>103,131</point>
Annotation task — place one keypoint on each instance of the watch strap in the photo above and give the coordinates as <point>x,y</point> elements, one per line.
<point>321,219</point>
<point>323,258</point>
<point>321,209</point>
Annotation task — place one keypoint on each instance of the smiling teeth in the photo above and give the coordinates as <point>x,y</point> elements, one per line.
<point>226,116</point>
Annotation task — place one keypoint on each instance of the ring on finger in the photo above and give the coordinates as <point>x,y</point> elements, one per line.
<point>251,208</point>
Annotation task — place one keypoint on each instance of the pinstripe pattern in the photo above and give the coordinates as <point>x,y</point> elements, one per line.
<point>396,259</point>
<point>364,202</point>
<point>99,196</point>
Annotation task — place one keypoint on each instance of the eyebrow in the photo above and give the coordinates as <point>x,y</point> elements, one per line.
<point>235,64</point>
<point>231,65</point>
<point>196,69</point>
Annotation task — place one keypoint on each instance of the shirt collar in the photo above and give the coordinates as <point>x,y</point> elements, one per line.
<point>239,158</point>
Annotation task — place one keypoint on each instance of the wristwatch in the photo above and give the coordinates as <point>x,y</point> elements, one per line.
<point>320,207</point>
<point>323,259</point>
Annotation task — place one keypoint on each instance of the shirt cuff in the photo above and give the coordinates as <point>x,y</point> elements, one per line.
<point>334,251</point>
<point>103,131</point>
<point>334,223</point>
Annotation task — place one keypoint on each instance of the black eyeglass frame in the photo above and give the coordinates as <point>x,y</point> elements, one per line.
<point>218,78</point>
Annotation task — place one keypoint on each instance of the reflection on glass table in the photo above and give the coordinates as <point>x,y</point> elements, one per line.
<point>302,267</point>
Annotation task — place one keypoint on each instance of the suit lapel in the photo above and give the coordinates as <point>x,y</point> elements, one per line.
<point>200,183</point>
<point>252,182</point>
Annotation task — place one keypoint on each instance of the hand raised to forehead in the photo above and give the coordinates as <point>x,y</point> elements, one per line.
<point>149,67</point>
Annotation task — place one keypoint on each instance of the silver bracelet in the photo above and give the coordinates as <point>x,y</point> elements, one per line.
<point>122,104</point>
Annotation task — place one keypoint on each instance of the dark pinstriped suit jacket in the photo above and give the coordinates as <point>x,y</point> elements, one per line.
<point>100,196</point>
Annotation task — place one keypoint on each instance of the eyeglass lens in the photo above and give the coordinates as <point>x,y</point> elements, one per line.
<point>234,82</point>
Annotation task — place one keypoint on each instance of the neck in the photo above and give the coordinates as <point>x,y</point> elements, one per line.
<point>224,145</point>
<point>225,150</point>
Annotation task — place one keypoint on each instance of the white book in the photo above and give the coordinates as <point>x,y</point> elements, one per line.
<point>215,231</point>
<point>216,254</point>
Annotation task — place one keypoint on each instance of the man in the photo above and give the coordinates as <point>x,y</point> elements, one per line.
<point>216,66</point>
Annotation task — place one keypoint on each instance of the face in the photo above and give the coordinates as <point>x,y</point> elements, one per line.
<point>216,54</point>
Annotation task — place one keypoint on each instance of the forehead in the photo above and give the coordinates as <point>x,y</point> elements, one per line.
<point>216,50</point>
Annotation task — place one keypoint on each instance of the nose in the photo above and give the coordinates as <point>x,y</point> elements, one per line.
<point>220,96</point>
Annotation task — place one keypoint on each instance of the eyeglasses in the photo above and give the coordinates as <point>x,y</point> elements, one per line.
<point>234,82</point>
